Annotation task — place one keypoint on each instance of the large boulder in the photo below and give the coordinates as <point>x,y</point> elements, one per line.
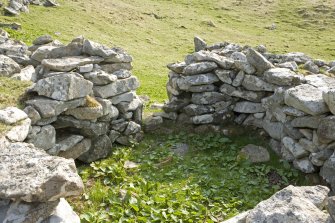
<point>30,174</point>
<point>63,86</point>
<point>292,205</point>
<point>306,98</point>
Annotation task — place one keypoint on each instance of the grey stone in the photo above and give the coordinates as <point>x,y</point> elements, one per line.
<point>292,65</point>
<point>247,95</point>
<point>241,63</point>
<point>327,171</point>
<point>292,204</point>
<point>193,109</point>
<point>48,108</point>
<point>19,132</point>
<point>248,107</point>
<point>63,87</point>
<point>67,64</point>
<point>202,88</point>
<point>86,68</point>
<point>184,83</point>
<point>199,68</point>
<point>308,133</point>
<point>320,81</point>
<point>45,39</point>
<point>101,147</point>
<point>30,174</point>
<point>85,128</point>
<point>113,135</point>
<point>283,76</point>
<point>331,70</point>
<point>291,131</point>
<point>152,123</point>
<point>44,139</point>
<point>206,98</point>
<point>115,55</point>
<point>293,111</point>
<point>319,158</point>
<point>258,61</point>
<point>255,154</point>
<point>11,11</point>
<point>132,128</point>
<point>125,107</point>
<point>176,104</point>
<point>122,74</point>
<point>329,98</point>
<point>12,115</point>
<point>298,57</point>
<point>177,67</point>
<point>8,66</point>
<point>326,129</point>
<point>50,3</point>
<point>238,79</point>
<point>331,207</point>
<point>125,97</point>
<point>46,121</point>
<point>180,149</point>
<point>113,67</point>
<point>274,129</point>
<point>307,121</point>
<point>254,83</point>
<point>119,125</point>
<point>42,52</point>
<point>117,87</point>
<point>310,66</point>
<point>275,100</point>
<point>221,61</point>
<point>221,106</point>
<point>307,99</point>
<point>304,165</point>
<point>240,218</point>
<point>32,114</point>
<point>308,145</point>
<point>276,146</point>
<point>26,74</point>
<point>203,119</point>
<point>199,44</point>
<point>75,151</point>
<point>100,77</point>
<point>224,75</point>
<point>65,143</point>
<point>295,148</point>
<point>170,115</point>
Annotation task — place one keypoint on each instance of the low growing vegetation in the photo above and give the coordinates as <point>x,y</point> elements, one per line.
<point>150,183</point>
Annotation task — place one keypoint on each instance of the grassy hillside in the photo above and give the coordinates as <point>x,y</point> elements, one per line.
<point>157,32</point>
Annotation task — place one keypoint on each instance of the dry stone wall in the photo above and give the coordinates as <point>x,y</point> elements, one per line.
<point>226,82</point>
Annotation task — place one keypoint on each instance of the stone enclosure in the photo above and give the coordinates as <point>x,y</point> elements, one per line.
<point>226,83</point>
<point>83,100</point>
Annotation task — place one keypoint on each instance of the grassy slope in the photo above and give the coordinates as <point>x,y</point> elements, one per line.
<point>154,42</point>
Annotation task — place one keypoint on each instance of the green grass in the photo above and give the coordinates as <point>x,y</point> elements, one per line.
<point>210,184</point>
<point>155,41</point>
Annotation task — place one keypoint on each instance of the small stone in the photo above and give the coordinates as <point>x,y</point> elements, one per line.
<point>19,132</point>
<point>177,67</point>
<point>283,77</point>
<point>152,123</point>
<point>132,128</point>
<point>254,83</point>
<point>122,74</point>
<point>199,44</point>
<point>45,39</point>
<point>258,61</point>
<point>101,147</point>
<point>39,139</point>
<point>12,115</point>
<point>292,65</point>
<point>221,61</point>
<point>85,68</point>
<point>319,158</point>
<point>304,165</point>
<point>248,107</point>
<point>203,119</point>
<point>274,129</point>
<point>199,68</point>
<point>238,79</point>
<point>224,75</point>
<point>255,154</point>
<point>117,87</point>
<point>296,149</point>
<point>310,66</point>
<point>69,63</point>
<point>206,98</point>
<point>100,77</point>
<point>242,63</point>
<point>8,66</point>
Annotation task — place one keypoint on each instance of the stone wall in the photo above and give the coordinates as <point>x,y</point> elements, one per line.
<point>15,7</point>
<point>226,82</point>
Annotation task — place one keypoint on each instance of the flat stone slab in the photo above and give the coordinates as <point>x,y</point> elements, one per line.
<point>306,98</point>
<point>117,87</point>
<point>283,76</point>
<point>248,107</point>
<point>12,115</point>
<point>30,174</point>
<point>69,63</point>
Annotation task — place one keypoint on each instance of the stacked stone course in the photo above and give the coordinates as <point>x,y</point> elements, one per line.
<point>226,82</point>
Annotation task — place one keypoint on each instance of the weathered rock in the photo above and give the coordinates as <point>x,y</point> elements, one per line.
<point>306,98</point>
<point>101,147</point>
<point>203,119</point>
<point>63,87</point>
<point>283,76</point>
<point>221,61</point>
<point>67,64</point>
<point>255,154</point>
<point>199,44</point>
<point>201,79</point>
<point>329,98</point>
<point>295,148</point>
<point>310,66</point>
<point>132,128</point>
<point>32,114</point>
<point>292,204</point>
<point>308,133</point>
<point>202,88</point>
<point>320,81</point>
<point>319,158</point>
<point>224,75</point>
<point>45,39</point>
<point>170,115</point>
<point>238,79</point>
<point>85,128</point>
<point>254,83</point>
<point>45,138</point>
<point>48,108</point>
<point>199,68</point>
<point>26,74</point>
<point>117,87</point>
<point>274,129</point>
<point>42,53</point>
<point>304,165</point>
<point>307,121</point>
<point>292,65</point>
<point>326,129</point>
<point>11,11</point>
<point>31,175</point>
<point>240,218</point>
<point>331,207</point>
<point>70,151</point>
<point>125,97</point>
<point>50,3</point>
<point>308,145</point>
<point>248,107</point>
<point>8,66</point>
<point>247,95</point>
<point>122,74</point>
<point>258,61</point>
<point>177,67</point>
<point>327,171</point>
<point>176,104</point>
<point>293,111</point>
<point>20,131</point>
<point>241,63</point>
<point>206,98</point>
<point>193,109</point>
<point>125,107</point>
<point>152,123</point>
<point>100,77</point>
<point>113,67</point>
<point>12,115</point>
